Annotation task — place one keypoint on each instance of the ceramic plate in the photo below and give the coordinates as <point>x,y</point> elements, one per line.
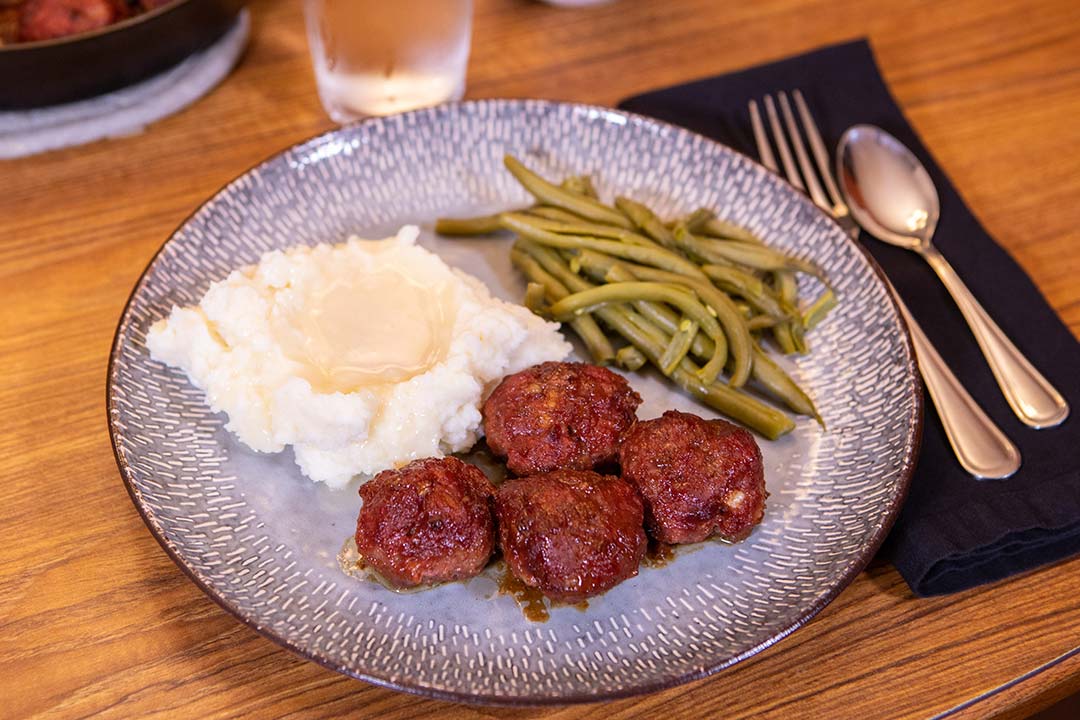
<point>262,540</point>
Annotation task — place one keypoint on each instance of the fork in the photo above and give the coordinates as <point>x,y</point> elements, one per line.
<point>980,445</point>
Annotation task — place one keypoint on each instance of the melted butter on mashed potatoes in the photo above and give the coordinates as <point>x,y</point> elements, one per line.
<point>362,356</point>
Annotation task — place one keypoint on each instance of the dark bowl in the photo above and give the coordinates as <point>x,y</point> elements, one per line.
<point>50,72</point>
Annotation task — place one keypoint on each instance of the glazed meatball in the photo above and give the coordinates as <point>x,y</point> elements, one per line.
<point>426,523</point>
<point>49,19</point>
<point>559,416</point>
<point>698,478</point>
<point>571,534</point>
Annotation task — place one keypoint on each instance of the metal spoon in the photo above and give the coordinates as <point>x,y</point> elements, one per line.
<point>892,196</point>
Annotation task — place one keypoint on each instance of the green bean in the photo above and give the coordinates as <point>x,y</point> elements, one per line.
<point>585,228</point>
<point>789,293</point>
<point>819,309</point>
<point>608,269</point>
<point>721,228</point>
<point>655,256</point>
<point>596,342</point>
<point>588,300</point>
<point>550,194</point>
<point>779,384</point>
<point>697,219</point>
<point>482,225</point>
<point>534,298</point>
<point>554,213</point>
<point>580,184</point>
<point>679,345</point>
<point>760,322</point>
<point>785,333</point>
<point>735,329</point>
<point>630,358</point>
<point>644,218</point>
<point>732,402</point>
<point>750,288</point>
<point>758,257</point>
<point>550,261</point>
<point>694,248</point>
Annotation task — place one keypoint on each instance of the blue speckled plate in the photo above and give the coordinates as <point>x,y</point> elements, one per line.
<point>262,540</point>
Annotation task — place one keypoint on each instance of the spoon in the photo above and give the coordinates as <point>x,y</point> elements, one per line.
<point>891,195</point>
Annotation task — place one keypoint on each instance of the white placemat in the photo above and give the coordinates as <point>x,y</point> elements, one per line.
<point>126,111</point>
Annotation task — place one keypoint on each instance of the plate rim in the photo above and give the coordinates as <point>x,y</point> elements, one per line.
<point>860,563</point>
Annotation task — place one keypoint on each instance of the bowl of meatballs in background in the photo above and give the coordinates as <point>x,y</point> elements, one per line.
<point>424,577</point>
<point>111,43</point>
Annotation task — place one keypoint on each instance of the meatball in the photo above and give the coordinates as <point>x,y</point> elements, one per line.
<point>426,523</point>
<point>559,415</point>
<point>49,19</point>
<point>571,534</point>
<point>698,478</point>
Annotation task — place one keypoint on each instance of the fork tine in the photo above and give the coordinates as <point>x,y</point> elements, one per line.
<point>781,144</point>
<point>813,187</point>
<point>764,150</point>
<point>821,155</point>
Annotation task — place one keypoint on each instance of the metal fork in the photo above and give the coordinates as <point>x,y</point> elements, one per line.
<point>980,446</point>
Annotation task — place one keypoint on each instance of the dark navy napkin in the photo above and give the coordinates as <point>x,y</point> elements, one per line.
<point>953,532</point>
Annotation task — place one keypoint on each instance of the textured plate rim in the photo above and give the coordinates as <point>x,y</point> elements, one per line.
<point>870,548</point>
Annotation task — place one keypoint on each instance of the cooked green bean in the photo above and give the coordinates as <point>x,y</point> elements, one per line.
<point>734,403</point>
<point>630,358</point>
<point>550,261</point>
<point>779,385</point>
<point>785,333</point>
<point>588,300</point>
<point>535,295</point>
<point>596,342</point>
<point>609,269</point>
<point>760,322</point>
<point>694,248</point>
<point>550,194</point>
<point>644,218</point>
<point>758,257</point>
<point>679,345</point>
<point>746,286</point>
<point>697,219</point>
<point>721,228</point>
<point>580,184</point>
<point>819,309</point>
<point>655,256</point>
<point>554,213</point>
<point>589,229</point>
<point>482,225</point>
<point>735,330</point>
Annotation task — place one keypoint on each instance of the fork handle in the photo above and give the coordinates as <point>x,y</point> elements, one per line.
<point>980,445</point>
<point>1030,395</point>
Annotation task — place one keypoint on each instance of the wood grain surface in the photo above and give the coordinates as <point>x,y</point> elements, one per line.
<point>95,619</point>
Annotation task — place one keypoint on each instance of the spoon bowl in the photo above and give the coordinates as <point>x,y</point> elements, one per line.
<point>889,191</point>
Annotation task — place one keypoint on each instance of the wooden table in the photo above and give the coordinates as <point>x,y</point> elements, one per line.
<point>94,618</point>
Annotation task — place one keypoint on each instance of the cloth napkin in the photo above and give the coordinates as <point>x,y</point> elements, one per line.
<point>954,532</point>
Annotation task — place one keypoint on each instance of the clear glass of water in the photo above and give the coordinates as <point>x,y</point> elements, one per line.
<point>377,57</point>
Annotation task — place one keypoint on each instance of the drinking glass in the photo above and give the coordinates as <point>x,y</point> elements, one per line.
<point>377,57</point>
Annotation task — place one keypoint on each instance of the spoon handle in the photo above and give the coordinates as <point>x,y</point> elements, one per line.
<point>1031,396</point>
<point>980,446</point>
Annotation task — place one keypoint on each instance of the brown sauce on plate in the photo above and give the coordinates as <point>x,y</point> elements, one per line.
<point>658,555</point>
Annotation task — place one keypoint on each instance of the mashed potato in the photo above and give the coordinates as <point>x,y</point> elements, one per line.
<point>362,356</point>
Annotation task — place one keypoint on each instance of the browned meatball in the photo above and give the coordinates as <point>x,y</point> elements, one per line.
<point>559,415</point>
<point>698,477</point>
<point>49,19</point>
<point>426,523</point>
<point>570,533</point>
